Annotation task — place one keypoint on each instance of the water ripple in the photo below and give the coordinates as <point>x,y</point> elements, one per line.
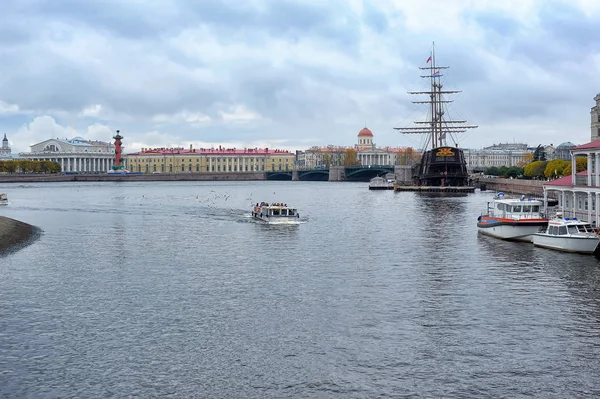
<point>170,289</point>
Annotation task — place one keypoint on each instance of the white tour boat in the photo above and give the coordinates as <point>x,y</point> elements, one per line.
<point>512,218</point>
<point>568,235</point>
<point>3,199</point>
<point>275,213</point>
<point>382,183</point>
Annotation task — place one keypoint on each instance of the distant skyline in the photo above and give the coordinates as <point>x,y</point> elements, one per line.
<point>293,74</point>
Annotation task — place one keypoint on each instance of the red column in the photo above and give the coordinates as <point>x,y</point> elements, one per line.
<point>118,152</point>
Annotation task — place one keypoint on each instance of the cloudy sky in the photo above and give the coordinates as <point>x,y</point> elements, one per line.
<point>293,74</point>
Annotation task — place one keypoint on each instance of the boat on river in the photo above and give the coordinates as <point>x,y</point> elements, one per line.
<point>381,183</point>
<point>512,218</point>
<point>568,235</point>
<point>275,213</point>
<point>3,199</point>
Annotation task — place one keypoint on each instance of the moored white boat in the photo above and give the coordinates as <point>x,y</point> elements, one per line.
<point>3,199</point>
<point>568,235</point>
<point>513,218</point>
<point>275,213</point>
<point>381,183</point>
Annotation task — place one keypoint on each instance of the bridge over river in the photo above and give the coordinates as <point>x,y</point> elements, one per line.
<point>336,173</point>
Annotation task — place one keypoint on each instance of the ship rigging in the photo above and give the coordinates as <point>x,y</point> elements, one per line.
<point>441,165</point>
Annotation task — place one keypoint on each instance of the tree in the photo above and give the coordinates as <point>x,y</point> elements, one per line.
<point>527,159</point>
<point>539,154</point>
<point>535,169</point>
<point>580,166</point>
<point>407,156</point>
<point>555,168</point>
<point>350,157</point>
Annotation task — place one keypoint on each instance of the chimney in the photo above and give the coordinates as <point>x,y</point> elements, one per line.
<point>190,147</point>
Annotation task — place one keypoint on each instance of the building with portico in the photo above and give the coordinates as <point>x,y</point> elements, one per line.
<point>579,194</point>
<point>367,153</point>
<point>74,155</point>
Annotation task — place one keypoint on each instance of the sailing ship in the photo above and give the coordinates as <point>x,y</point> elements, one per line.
<point>441,165</point>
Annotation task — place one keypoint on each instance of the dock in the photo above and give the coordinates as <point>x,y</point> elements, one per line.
<point>435,189</point>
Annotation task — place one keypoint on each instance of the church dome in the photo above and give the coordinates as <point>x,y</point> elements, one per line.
<point>365,132</point>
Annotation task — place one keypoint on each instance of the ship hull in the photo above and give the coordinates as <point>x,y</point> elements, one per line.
<point>442,167</point>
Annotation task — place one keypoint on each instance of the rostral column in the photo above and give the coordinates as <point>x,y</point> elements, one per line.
<point>118,152</point>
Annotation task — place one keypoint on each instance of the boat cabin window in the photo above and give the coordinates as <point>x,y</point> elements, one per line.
<point>585,228</point>
<point>284,212</point>
<point>291,212</point>
<point>526,208</point>
<point>275,212</point>
<point>516,209</point>
<point>575,230</point>
<point>553,230</point>
<point>562,230</point>
<point>535,208</point>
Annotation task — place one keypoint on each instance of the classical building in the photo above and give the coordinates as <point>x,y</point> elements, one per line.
<point>5,150</point>
<point>595,113</point>
<point>498,155</point>
<point>173,160</point>
<point>74,155</point>
<point>579,194</point>
<point>563,151</point>
<point>367,153</point>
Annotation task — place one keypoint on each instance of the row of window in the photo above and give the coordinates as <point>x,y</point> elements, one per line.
<point>214,168</point>
<point>217,160</point>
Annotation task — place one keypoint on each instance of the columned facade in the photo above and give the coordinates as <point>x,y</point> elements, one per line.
<point>70,162</point>
<point>76,155</point>
<point>579,194</point>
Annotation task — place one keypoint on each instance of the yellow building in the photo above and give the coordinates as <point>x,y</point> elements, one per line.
<point>201,160</point>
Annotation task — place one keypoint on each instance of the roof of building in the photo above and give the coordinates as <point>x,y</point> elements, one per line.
<point>4,139</point>
<point>566,144</point>
<point>565,181</point>
<point>79,142</point>
<point>211,151</point>
<point>588,146</point>
<point>365,132</point>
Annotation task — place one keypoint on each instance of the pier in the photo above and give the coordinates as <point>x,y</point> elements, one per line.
<point>435,189</point>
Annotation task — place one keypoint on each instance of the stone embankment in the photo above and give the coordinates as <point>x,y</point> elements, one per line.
<point>36,178</point>
<point>516,186</point>
<point>15,234</point>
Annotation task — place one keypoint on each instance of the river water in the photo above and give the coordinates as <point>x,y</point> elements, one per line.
<point>169,289</point>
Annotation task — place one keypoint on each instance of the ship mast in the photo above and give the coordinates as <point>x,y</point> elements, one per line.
<point>436,127</point>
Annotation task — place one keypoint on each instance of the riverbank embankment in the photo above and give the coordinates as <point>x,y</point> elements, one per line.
<point>513,186</point>
<point>96,177</point>
<point>15,234</point>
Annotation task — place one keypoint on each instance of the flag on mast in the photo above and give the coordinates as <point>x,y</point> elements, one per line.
<point>428,59</point>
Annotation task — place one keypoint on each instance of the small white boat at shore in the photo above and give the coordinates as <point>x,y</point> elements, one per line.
<point>3,199</point>
<point>512,218</point>
<point>382,183</point>
<point>275,213</point>
<point>568,235</point>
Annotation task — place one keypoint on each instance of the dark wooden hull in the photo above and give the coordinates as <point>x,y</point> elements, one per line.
<point>442,167</point>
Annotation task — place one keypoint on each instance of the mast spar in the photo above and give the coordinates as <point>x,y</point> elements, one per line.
<point>437,127</point>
